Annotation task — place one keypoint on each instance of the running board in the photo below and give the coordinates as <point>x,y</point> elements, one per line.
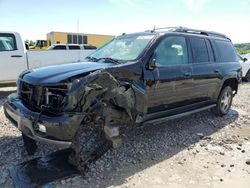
<point>164,119</point>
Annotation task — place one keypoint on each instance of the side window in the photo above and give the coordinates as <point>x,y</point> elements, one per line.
<point>60,47</point>
<point>171,51</point>
<point>89,47</point>
<point>7,42</point>
<point>225,51</point>
<point>199,49</point>
<point>74,47</point>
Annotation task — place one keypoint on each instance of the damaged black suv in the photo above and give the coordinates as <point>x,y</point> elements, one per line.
<point>134,80</point>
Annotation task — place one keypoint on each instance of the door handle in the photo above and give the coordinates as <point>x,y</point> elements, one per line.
<point>187,75</point>
<point>16,56</point>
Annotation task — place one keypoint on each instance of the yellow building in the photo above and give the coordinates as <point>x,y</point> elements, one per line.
<point>77,38</point>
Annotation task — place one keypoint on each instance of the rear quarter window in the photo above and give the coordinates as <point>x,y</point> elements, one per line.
<point>60,47</point>
<point>224,51</point>
<point>74,47</point>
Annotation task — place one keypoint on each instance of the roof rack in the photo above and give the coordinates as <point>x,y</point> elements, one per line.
<point>191,31</point>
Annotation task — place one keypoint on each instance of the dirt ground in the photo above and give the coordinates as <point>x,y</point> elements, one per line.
<point>200,150</point>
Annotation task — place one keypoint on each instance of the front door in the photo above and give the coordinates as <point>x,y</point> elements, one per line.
<point>173,75</point>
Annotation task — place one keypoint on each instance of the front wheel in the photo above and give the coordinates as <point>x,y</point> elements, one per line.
<point>87,146</point>
<point>224,101</point>
<point>29,144</point>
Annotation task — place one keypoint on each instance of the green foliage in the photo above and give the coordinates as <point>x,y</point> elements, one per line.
<point>243,48</point>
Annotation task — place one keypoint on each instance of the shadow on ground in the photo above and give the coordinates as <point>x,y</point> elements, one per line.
<point>149,146</point>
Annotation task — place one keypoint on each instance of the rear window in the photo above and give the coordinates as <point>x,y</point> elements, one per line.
<point>199,48</point>
<point>74,47</point>
<point>224,51</point>
<point>7,42</point>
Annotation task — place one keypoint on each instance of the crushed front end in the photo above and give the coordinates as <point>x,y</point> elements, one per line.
<point>40,112</point>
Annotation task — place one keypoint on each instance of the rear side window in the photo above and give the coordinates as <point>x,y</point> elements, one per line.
<point>224,51</point>
<point>7,42</point>
<point>74,47</point>
<point>89,47</point>
<point>199,49</point>
<point>60,47</point>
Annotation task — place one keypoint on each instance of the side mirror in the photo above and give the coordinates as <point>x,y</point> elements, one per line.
<point>245,59</point>
<point>152,62</point>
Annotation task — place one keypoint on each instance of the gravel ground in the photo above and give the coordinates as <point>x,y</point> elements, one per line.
<point>200,150</point>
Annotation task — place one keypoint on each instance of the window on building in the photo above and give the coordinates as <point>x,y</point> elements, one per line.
<point>74,39</point>
<point>80,39</point>
<point>69,39</point>
<point>85,39</point>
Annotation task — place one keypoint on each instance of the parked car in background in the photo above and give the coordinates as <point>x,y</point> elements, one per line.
<point>72,47</point>
<point>15,58</point>
<point>245,64</point>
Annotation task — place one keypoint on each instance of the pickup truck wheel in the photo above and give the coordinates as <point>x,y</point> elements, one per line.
<point>88,145</point>
<point>224,101</point>
<point>29,144</point>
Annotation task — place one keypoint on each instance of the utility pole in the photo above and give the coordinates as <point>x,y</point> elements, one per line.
<point>77,25</point>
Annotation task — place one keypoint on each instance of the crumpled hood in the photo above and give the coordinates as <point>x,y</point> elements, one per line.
<point>58,73</point>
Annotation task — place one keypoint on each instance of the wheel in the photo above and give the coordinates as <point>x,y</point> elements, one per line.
<point>29,144</point>
<point>88,145</point>
<point>224,102</point>
<point>247,78</point>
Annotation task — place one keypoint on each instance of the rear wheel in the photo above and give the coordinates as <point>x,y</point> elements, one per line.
<point>29,144</point>
<point>224,101</point>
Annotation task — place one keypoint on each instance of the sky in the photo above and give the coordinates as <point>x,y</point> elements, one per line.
<point>33,19</point>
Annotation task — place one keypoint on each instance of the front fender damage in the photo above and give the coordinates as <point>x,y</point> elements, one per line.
<point>107,103</point>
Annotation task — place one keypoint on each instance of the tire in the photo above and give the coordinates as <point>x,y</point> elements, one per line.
<point>29,144</point>
<point>87,146</point>
<point>224,101</point>
<point>247,78</point>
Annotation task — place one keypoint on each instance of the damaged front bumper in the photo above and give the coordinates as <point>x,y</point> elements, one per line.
<point>57,130</point>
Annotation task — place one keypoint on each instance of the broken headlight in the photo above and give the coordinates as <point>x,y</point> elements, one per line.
<point>56,97</point>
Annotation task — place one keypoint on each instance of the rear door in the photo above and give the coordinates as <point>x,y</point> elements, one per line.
<point>173,75</point>
<point>206,72</point>
<point>12,57</point>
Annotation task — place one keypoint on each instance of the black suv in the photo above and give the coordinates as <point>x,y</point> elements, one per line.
<point>135,79</point>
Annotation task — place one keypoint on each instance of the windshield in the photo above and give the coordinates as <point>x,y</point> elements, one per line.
<point>125,47</point>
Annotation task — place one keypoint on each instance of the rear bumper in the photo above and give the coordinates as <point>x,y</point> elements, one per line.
<point>59,129</point>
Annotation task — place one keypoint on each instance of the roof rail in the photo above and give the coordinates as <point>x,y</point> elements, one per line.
<point>189,30</point>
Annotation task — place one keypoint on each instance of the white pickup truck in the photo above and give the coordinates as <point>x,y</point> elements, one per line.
<point>14,58</point>
<point>245,64</point>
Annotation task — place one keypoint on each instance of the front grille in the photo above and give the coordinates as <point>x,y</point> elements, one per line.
<point>42,97</point>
